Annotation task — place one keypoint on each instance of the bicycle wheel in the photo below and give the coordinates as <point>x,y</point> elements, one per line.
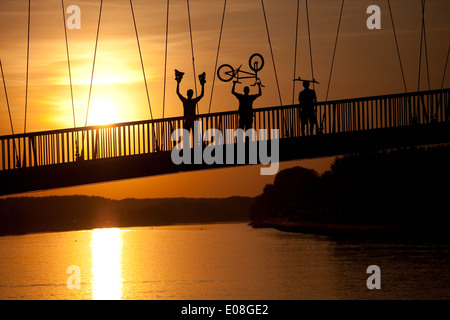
<point>225,73</point>
<point>256,62</point>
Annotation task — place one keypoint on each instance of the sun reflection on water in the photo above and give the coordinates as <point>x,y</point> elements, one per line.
<point>106,264</point>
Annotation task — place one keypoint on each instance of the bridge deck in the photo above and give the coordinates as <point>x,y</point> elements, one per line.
<point>45,160</point>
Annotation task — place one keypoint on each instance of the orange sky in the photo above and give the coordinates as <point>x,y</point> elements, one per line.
<point>366,64</point>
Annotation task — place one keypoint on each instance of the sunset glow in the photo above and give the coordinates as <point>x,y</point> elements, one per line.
<point>103,111</point>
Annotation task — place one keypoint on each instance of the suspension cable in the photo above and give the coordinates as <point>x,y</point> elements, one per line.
<point>396,44</point>
<point>9,112</point>
<point>68,62</point>
<point>165,58</point>
<point>27,73</point>
<point>420,52</point>
<point>295,52</point>
<point>271,51</point>
<point>142,61</point>
<point>309,39</point>
<point>93,63</point>
<point>6,96</point>
<point>217,56</point>
<point>334,50</point>
<point>445,67</point>
<point>426,55</point>
<point>192,49</point>
<point>423,42</point>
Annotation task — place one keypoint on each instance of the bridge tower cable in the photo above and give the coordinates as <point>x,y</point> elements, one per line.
<point>9,113</point>
<point>165,57</point>
<point>70,73</point>
<point>142,61</point>
<point>426,47</point>
<point>93,64</point>
<point>271,51</point>
<point>217,56</point>
<point>309,39</point>
<point>445,67</point>
<point>27,70</point>
<point>27,77</point>
<point>439,101</point>
<point>334,50</point>
<point>412,115</point>
<point>332,61</point>
<point>192,48</point>
<point>157,146</point>
<point>423,42</point>
<point>396,45</point>
<point>295,52</point>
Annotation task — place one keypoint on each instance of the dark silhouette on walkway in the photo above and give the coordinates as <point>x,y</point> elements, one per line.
<point>246,105</point>
<point>189,103</point>
<point>307,100</point>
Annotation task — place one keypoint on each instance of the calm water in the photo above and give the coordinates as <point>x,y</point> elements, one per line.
<point>221,261</point>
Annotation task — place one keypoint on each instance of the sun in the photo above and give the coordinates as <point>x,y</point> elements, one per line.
<point>103,111</point>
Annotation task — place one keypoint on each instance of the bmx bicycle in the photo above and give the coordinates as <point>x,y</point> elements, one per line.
<point>311,81</point>
<point>227,73</point>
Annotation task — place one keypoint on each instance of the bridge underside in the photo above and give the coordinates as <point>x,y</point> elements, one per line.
<point>159,163</point>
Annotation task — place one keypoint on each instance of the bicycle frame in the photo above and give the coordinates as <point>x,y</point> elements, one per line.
<point>246,75</point>
<point>227,73</point>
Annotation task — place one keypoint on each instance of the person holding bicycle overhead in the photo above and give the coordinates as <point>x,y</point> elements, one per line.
<point>189,103</point>
<point>246,105</point>
<point>307,100</point>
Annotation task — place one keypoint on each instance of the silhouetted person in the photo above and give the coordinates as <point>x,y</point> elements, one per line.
<point>307,100</point>
<point>189,103</point>
<point>246,106</point>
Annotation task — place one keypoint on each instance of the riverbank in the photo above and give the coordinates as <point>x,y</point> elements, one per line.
<point>25,215</point>
<point>375,231</point>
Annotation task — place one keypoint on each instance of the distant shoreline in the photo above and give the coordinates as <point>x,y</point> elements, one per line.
<point>30,215</point>
<point>355,230</point>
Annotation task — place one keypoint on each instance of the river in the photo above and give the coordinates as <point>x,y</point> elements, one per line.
<point>216,261</point>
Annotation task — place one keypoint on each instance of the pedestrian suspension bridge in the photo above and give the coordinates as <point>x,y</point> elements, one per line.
<point>92,154</point>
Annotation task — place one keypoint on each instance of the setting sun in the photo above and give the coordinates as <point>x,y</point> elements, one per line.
<point>103,111</point>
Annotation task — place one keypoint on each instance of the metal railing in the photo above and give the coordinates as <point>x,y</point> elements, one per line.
<point>144,137</point>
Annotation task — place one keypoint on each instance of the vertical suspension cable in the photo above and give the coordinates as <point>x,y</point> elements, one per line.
<point>295,52</point>
<point>28,61</point>
<point>426,56</point>
<point>93,64</point>
<point>68,62</point>
<point>142,61</point>
<point>6,96</point>
<point>334,50</point>
<point>445,67</point>
<point>217,56</point>
<point>9,112</point>
<point>309,39</point>
<point>165,59</point>
<point>420,49</point>
<point>423,42</point>
<point>396,44</point>
<point>271,51</point>
<point>192,49</point>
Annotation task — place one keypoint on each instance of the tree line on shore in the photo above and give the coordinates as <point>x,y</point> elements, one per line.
<point>21,215</point>
<point>404,186</point>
